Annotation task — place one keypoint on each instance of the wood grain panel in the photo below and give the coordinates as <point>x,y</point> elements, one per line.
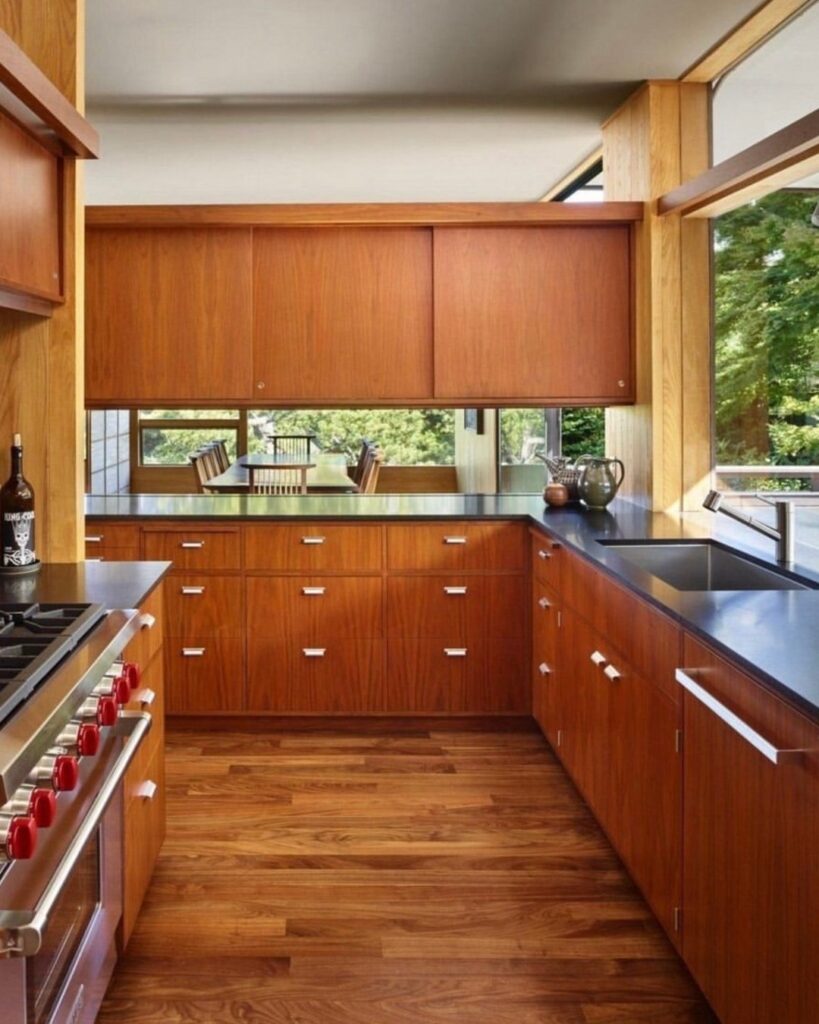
<point>347,679</point>
<point>168,315</point>
<point>533,313</point>
<point>435,547</point>
<point>106,533</point>
<point>148,641</point>
<point>214,549</point>
<point>751,830</point>
<point>547,662</point>
<point>342,312</point>
<point>204,606</point>
<point>144,833</point>
<point>29,214</point>
<point>314,608</point>
<point>547,559</point>
<point>426,607</point>
<point>342,549</point>
<point>206,684</point>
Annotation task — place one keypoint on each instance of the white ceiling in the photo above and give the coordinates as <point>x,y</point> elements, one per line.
<point>380,100</point>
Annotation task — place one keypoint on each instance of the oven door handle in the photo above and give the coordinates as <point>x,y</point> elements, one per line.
<point>21,934</point>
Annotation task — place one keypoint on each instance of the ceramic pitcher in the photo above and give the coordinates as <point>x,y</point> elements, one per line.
<point>599,481</point>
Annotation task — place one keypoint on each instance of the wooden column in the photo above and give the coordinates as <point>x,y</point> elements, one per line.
<point>476,455</point>
<point>659,137</point>
<point>41,360</point>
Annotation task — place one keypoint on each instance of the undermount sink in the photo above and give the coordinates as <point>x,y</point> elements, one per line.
<point>692,565</point>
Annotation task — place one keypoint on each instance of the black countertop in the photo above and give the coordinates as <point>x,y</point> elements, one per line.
<point>113,584</point>
<point>774,634</point>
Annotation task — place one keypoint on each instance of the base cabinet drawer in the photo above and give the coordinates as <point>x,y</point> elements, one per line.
<point>143,834</point>
<point>148,640</point>
<point>194,549</point>
<point>204,606</point>
<point>548,558</point>
<point>474,607</point>
<point>314,547</point>
<point>305,607</point>
<point>546,671</point>
<point>456,547</point>
<point>324,677</point>
<point>102,536</point>
<point>204,675</point>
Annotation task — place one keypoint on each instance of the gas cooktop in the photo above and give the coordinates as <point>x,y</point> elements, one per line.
<point>33,639</point>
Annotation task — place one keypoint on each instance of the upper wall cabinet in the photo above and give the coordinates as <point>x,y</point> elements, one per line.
<point>534,313</point>
<point>168,315</point>
<point>39,129</point>
<point>342,314</point>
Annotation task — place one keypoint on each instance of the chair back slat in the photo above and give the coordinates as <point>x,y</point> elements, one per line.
<point>266,480</point>
<point>296,445</point>
<point>203,468</point>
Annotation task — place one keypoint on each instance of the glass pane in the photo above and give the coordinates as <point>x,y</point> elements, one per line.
<point>525,440</point>
<point>171,446</point>
<point>408,437</point>
<point>189,414</point>
<point>766,380</point>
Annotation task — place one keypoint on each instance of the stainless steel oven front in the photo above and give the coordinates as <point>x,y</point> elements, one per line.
<point>58,943</point>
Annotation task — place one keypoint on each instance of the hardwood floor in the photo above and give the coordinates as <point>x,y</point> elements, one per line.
<point>441,873</point>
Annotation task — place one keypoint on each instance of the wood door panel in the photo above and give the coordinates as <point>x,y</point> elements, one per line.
<point>204,683</point>
<point>346,679</point>
<point>456,546</point>
<point>108,534</point>
<point>546,673</point>
<point>314,608</point>
<point>421,678</point>
<point>148,641</point>
<point>548,556</point>
<point>503,686</point>
<point>204,606</point>
<point>342,313</point>
<point>194,548</point>
<point>533,313</point>
<point>430,607</point>
<point>751,829</point>
<point>335,548</point>
<point>168,314</point>
<point>29,214</point>
<point>143,835</point>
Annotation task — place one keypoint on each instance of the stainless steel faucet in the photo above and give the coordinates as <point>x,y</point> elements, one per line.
<point>784,532</point>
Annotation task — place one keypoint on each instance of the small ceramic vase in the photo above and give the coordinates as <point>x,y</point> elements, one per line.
<point>556,494</point>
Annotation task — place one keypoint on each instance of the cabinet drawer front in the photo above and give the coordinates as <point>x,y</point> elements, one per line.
<point>204,606</point>
<point>143,834</point>
<point>113,535</point>
<point>334,677</point>
<point>547,560</point>
<point>474,607</point>
<point>545,613</point>
<point>204,675</point>
<point>314,547</point>
<point>150,697</point>
<point>148,640</point>
<point>315,608</point>
<point>194,549</point>
<point>108,553</point>
<point>456,546</point>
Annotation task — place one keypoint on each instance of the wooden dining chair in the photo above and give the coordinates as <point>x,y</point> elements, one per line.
<point>266,480</point>
<point>297,445</point>
<point>209,456</point>
<point>368,448</point>
<point>220,450</point>
<point>203,470</point>
<point>369,480</point>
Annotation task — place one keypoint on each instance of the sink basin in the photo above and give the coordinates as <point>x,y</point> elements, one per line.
<point>691,565</point>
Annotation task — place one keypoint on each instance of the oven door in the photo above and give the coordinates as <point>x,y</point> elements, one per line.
<point>58,945</point>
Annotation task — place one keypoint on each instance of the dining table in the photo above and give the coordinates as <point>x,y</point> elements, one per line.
<point>322,477</point>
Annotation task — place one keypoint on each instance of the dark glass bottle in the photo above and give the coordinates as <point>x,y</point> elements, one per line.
<point>17,511</point>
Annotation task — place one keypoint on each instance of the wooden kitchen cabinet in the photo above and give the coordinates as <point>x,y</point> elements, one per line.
<point>547,663</point>
<point>314,547</point>
<point>459,607</point>
<point>314,608</point>
<point>454,546</point>
<point>751,832</point>
<point>206,675</point>
<point>534,313</point>
<point>342,312</point>
<point>168,315</point>
<point>112,542</point>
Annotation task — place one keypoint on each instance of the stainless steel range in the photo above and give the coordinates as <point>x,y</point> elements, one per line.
<point>65,744</point>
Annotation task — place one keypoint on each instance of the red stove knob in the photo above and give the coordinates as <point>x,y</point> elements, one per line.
<point>18,838</point>
<point>88,740</point>
<point>107,711</point>
<point>121,690</point>
<point>43,805</point>
<point>66,773</point>
<point>132,673</point>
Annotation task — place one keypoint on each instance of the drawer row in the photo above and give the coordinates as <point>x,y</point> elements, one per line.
<point>317,608</point>
<point>459,546</point>
<point>347,676</point>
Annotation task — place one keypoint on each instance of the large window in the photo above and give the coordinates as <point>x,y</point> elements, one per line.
<point>167,436</point>
<point>766,292</point>
<point>527,435</point>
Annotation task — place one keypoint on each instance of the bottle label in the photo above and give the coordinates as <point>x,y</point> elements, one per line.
<point>18,538</point>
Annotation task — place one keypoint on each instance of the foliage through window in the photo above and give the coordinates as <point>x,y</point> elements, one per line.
<point>524,434</point>
<point>168,436</point>
<point>766,294</point>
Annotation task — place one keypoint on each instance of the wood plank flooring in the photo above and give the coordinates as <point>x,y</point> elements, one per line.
<point>447,874</point>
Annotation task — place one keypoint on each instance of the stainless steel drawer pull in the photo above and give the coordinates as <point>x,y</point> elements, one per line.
<point>544,669</point>
<point>192,544</point>
<point>544,603</point>
<point>147,621</point>
<point>455,591</point>
<point>611,672</point>
<point>543,554</point>
<point>313,591</point>
<point>598,658</point>
<point>191,591</point>
<point>454,540</point>
<point>455,652</point>
<point>95,540</point>
<point>313,540</point>
<point>146,790</point>
<point>314,652</point>
<point>146,697</point>
<point>767,749</point>
<point>193,652</point>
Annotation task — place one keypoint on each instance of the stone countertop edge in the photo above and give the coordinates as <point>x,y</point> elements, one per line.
<point>112,584</point>
<point>773,635</point>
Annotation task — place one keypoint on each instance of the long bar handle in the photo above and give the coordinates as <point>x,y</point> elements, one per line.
<point>313,591</point>
<point>740,727</point>
<point>455,591</point>
<point>191,591</point>
<point>27,939</point>
<point>314,652</point>
<point>98,539</point>
<point>193,652</point>
<point>455,652</point>
<point>192,544</point>
<point>313,540</point>
<point>454,540</point>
